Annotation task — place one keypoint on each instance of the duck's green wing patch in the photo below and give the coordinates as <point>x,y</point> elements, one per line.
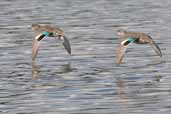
<point>45,33</point>
<point>128,41</point>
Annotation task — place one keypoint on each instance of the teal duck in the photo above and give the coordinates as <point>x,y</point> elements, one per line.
<point>44,30</point>
<point>127,38</point>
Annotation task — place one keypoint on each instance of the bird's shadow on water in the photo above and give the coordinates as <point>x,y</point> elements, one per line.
<point>37,69</point>
<point>155,63</point>
<point>134,94</point>
<point>152,77</point>
<point>135,67</point>
<point>129,90</point>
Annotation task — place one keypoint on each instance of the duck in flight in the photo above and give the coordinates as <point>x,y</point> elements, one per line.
<point>127,38</point>
<point>44,30</point>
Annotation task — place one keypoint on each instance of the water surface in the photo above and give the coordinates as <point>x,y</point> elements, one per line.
<point>88,81</point>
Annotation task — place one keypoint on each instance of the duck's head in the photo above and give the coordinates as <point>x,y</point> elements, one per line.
<point>121,32</point>
<point>35,27</point>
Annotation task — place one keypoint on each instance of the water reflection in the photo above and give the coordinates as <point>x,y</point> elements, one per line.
<point>137,95</point>
<point>66,68</point>
<point>121,84</point>
<point>88,82</point>
<point>36,69</point>
<point>148,65</point>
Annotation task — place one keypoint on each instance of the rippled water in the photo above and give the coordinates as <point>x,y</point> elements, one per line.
<point>88,81</point>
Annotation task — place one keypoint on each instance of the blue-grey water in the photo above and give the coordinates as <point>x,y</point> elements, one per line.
<point>88,81</point>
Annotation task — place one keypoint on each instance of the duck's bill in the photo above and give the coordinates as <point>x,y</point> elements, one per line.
<point>66,44</point>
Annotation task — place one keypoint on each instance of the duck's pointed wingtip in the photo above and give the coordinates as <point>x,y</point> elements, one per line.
<point>156,48</point>
<point>117,63</point>
<point>161,55</point>
<point>67,45</point>
<point>68,51</point>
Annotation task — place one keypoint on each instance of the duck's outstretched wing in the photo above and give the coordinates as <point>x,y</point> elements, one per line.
<point>156,48</point>
<point>36,45</point>
<point>65,43</point>
<point>153,44</point>
<point>120,51</point>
